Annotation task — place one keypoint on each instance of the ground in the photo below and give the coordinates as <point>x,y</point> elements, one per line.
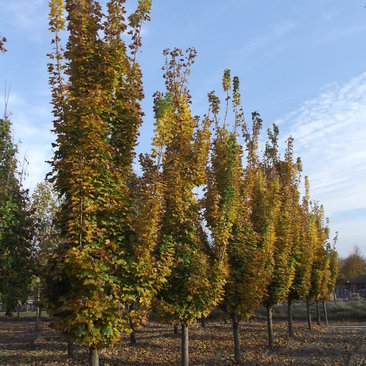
<point>340,343</point>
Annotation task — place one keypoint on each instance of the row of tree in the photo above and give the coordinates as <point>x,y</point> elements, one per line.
<point>209,222</point>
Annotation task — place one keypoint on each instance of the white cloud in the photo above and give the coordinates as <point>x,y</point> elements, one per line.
<point>330,138</point>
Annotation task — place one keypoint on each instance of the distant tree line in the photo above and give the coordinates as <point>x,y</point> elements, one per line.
<point>352,266</point>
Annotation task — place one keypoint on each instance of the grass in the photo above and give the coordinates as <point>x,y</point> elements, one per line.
<point>24,316</point>
<point>341,310</point>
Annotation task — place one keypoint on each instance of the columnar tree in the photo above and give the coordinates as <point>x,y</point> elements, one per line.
<point>285,173</point>
<point>45,206</point>
<point>151,260</point>
<point>96,93</point>
<point>254,234</point>
<point>195,283</point>
<point>329,275</point>
<point>15,225</point>
<point>321,233</point>
<point>233,201</point>
<point>302,252</point>
<point>225,174</point>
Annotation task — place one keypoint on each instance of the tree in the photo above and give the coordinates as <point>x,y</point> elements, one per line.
<point>195,283</point>
<point>302,252</point>
<point>152,260</point>
<point>96,93</point>
<point>329,275</point>
<point>45,206</point>
<point>15,225</point>
<point>224,185</point>
<point>320,235</point>
<point>333,265</point>
<point>232,206</point>
<point>284,173</point>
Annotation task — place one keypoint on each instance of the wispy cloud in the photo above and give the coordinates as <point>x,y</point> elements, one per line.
<point>267,40</point>
<point>340,34</point>
<point>330,135</point>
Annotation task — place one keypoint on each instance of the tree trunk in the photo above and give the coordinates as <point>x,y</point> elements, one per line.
<point>289,311</point>
<point>325,313</point>
<point>203,322</point>
<point>237,356</point>
<point>70,348</point>
<point>93,357</point>
<point>38,311</point>
<point>334,297</point>
<point>133,334</point>
<point>9,313</point>
<point>318,312</point>
<point>185,345</point>
<point>308,314</point>
<point>18,310</point>
<point>270,326</point>
<point>133,338</point>
<point>37,318</point>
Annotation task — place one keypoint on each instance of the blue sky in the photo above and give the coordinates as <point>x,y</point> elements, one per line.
<point>301,64</point>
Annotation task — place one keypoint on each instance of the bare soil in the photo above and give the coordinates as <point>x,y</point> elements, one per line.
<point>337,344</point>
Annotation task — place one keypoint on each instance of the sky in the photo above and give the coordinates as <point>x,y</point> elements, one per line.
<point>301,64</point>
